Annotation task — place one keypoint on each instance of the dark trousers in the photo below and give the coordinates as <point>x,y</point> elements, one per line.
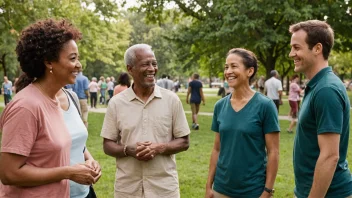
<point>91,193</point>
<point>93,99</point>
<point>110,92</point>
<point>7,98</point>
<point>277,104</point>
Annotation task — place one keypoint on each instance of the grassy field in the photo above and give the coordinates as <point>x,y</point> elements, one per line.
<point>192,165</point>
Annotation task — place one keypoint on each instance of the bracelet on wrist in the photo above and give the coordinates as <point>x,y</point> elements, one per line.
<point>125,149</point>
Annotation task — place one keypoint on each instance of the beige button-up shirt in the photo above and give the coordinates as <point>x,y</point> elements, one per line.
<point>129,120</point>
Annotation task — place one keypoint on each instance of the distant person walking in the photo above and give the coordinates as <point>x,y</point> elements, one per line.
<point>273,88</point>
<point>81,88</point>
<point>195,89</point>
<point>102,87</point>
<point>165,83</point>
<point>7,90</point>
<point>93,90</point>
<point>110,88</point>
<point>293,99</point>
<point>176,85</point>
<point>261,84</point>
<point>123,83</point>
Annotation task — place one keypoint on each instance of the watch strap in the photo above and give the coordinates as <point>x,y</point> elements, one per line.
<point>271,191</point>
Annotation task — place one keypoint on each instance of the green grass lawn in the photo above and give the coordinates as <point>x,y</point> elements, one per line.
<point>192,165</point>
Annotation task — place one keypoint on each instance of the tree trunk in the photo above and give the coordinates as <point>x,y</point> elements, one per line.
<point>210,79</point>
<point>287,85</point>
<point>342,76</point>
<point>269,66</point>
<point>3,63</point>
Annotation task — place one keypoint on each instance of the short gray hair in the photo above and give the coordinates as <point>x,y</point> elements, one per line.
<point>273,73</point>
<point>130,54</point>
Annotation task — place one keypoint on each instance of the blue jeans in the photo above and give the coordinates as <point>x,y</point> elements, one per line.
<point>102,96</point>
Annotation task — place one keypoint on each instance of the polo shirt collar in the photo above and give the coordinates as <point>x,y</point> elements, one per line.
<point>131,95</point>
<point>318,76</point>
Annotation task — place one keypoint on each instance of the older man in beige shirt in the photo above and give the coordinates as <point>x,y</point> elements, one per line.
<point>144,127</point>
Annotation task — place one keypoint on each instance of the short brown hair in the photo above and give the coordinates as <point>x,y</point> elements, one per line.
<point>294,76</point>
<point>317,32</point>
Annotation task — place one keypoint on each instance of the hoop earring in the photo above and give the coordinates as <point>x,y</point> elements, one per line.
<point>51,70</point>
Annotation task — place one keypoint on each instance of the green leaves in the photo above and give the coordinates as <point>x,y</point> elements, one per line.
<point>260,26</point>
<point>105,33</point>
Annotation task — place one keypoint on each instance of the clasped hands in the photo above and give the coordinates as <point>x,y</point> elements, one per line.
<point>86,173</point>
<point>146,151</point>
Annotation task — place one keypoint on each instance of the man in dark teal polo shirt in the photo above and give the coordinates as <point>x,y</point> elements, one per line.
<point>320,148</point>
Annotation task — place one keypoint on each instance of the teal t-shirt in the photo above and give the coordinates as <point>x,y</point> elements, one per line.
<point>325,108</point>
<point>241,167</point>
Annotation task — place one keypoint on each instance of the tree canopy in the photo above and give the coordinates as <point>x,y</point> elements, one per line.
<point>187,35</point>
<point>105,33</point>
<point>258,25</point>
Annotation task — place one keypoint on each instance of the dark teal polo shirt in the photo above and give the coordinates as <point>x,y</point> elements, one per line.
<point>325,108</point>
<point>241,168</point>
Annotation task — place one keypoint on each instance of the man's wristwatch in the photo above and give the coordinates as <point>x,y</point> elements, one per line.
<point>270,191</point>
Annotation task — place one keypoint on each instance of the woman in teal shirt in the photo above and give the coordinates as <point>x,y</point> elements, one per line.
<point>245,157</point>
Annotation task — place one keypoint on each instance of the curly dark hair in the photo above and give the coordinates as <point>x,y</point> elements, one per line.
<point>39,42</point>
<point>124,79</point>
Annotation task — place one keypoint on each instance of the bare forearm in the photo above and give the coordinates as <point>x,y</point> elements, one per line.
<point>87,155</point>
<point>212,168</point>
<point>323,174</point>
<point>174,146</point>
<point>28,176</point>
<point>113,149</point>
<point>271,169</point>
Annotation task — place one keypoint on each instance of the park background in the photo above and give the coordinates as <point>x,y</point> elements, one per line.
<point>187,36</point>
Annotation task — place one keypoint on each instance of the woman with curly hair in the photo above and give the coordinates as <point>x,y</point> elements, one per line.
<point>123,81</point>
<point>36,143</point>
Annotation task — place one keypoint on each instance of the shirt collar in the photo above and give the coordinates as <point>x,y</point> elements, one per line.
<point>131,95</point>
<point>318,76</point>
